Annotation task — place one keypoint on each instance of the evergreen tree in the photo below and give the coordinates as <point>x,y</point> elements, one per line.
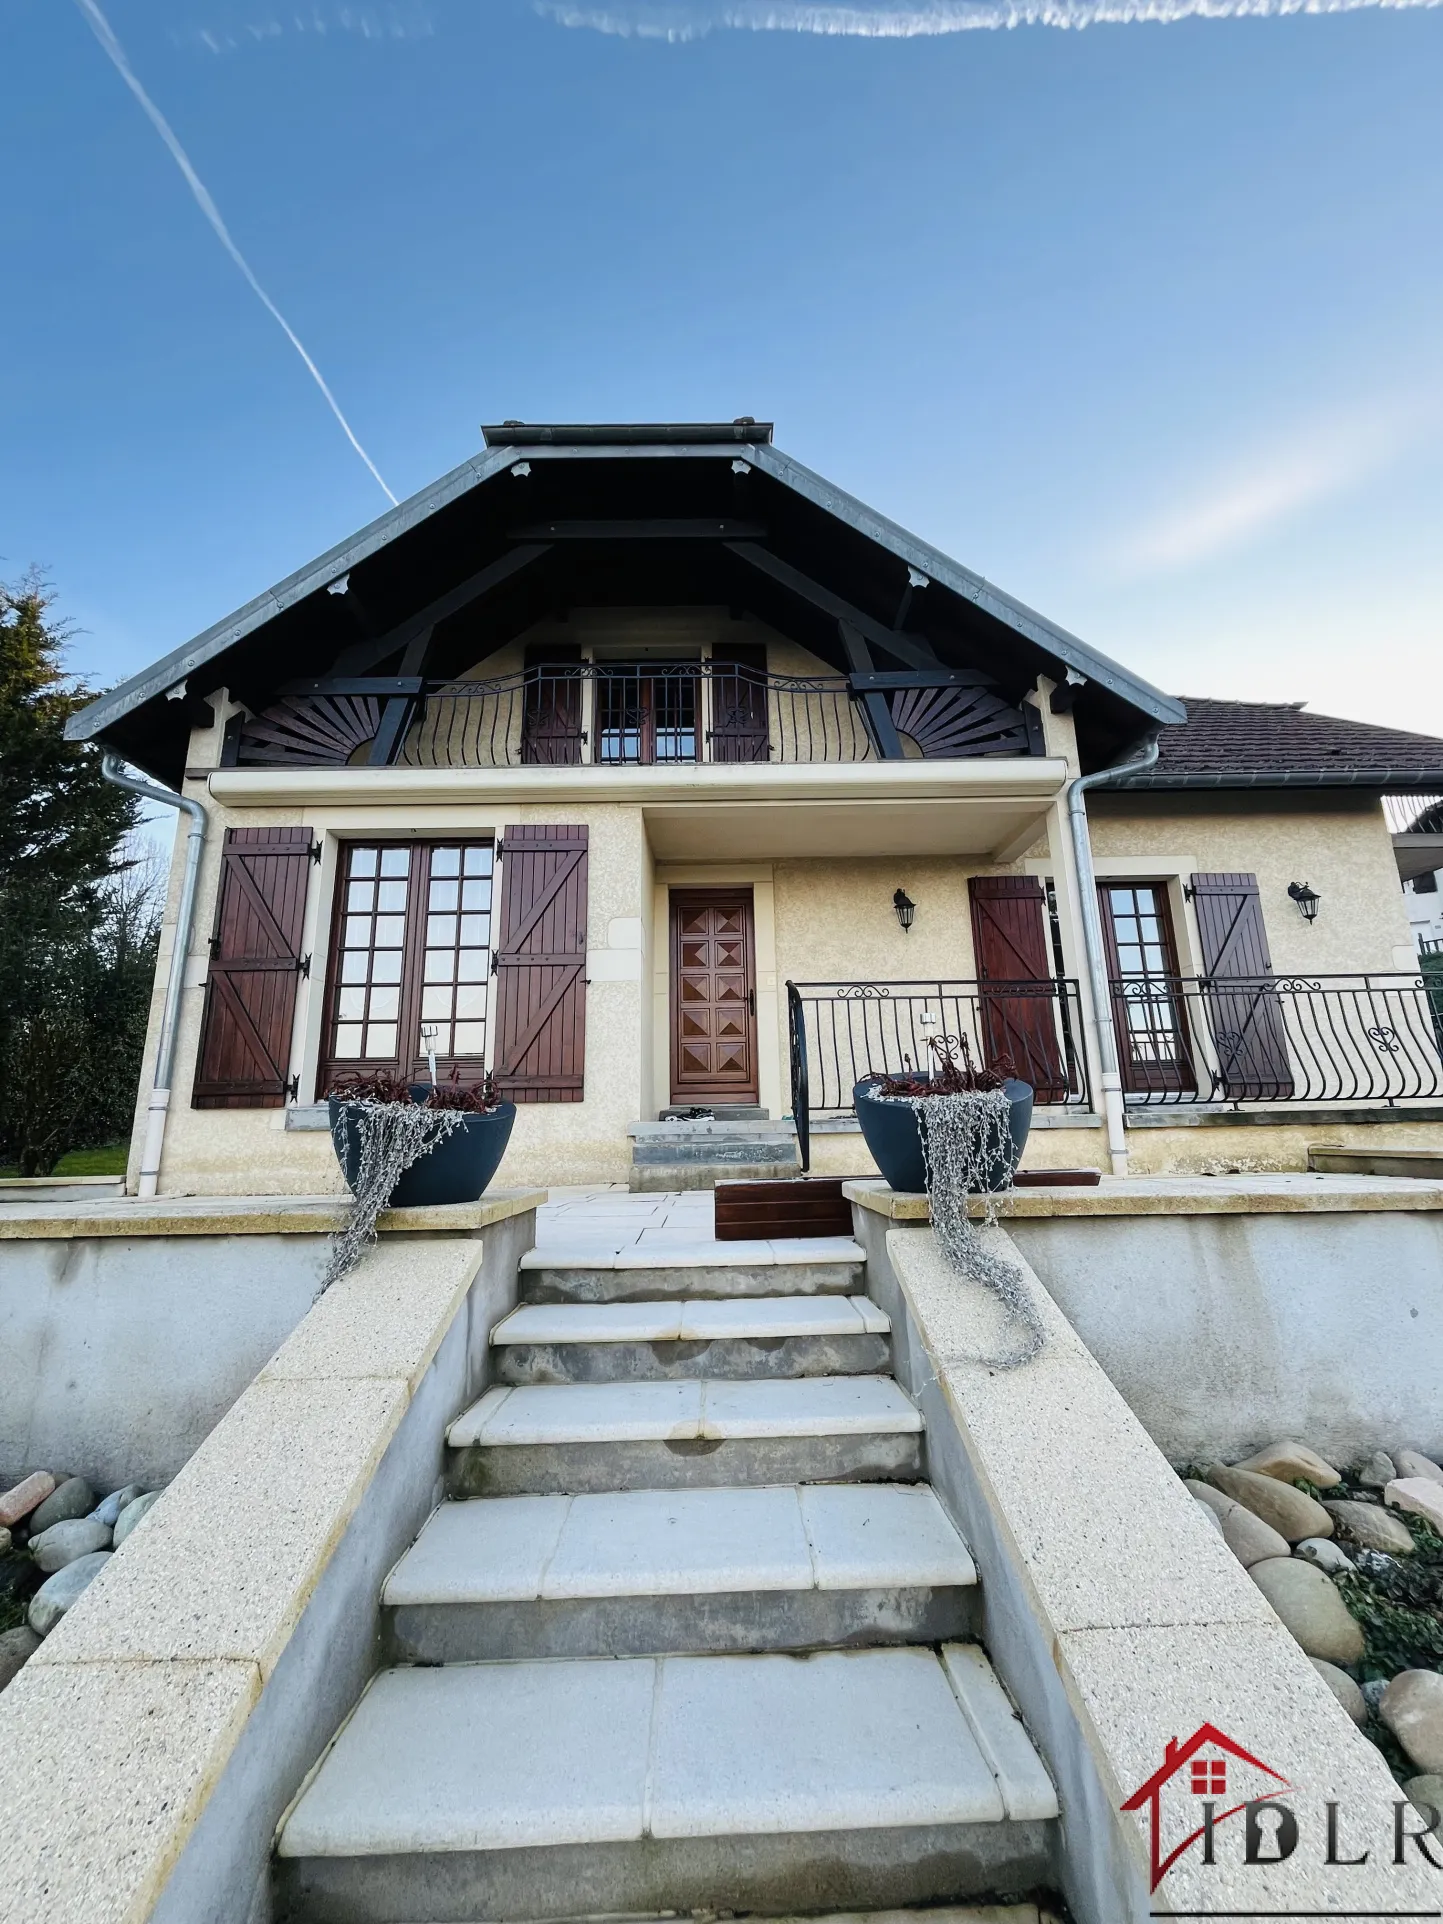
<point>77,937</point>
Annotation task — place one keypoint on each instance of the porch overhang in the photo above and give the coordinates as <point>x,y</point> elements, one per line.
<point>993,809</point>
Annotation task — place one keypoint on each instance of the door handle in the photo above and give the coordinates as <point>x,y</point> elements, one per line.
<point>751,1002</point>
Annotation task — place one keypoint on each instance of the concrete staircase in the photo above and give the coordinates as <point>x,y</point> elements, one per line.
<point>693,1632</point>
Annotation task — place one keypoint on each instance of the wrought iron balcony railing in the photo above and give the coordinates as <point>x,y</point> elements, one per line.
<point>840,1032</point>
<point>1280,1039</point>
<point>629,715</point>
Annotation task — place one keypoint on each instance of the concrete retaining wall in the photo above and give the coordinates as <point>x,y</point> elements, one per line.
<point>1119,1620</point>
<point>149,1748</point>
<point>119,1356</point>
<point>1225,1332</point>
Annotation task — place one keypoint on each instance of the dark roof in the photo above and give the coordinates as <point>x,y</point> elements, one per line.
<point>1255,744</point>
<point>694,495</point>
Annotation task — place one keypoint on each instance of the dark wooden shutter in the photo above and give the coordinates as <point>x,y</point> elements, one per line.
<point>1009,943</point>
<point>739,728</point>
<point>541,965</point>
<point>1247,1024</point>
<point>256,962</point>
<point>551,731</point>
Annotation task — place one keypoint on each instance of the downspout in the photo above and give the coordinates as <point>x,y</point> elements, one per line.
<point>114,771</point>
<point>1111,1078</point>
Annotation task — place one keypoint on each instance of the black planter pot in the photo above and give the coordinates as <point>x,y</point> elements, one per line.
<point>892,1130</point>
<point>456,1170</point>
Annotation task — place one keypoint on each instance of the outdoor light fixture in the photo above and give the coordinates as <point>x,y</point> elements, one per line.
<point>906,908</point>
<point>1306,900</point>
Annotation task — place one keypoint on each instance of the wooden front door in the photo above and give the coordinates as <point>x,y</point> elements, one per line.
<point>713,997</point>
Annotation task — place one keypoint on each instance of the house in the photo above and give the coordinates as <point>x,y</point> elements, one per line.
<point>648,769</point>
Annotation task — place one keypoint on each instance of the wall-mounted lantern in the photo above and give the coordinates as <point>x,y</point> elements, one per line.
<point>906,908</point>
<point>1306,900</point>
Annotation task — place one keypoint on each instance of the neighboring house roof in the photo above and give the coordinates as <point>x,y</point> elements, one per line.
<point>1249,744</point>
<point>680,480</point>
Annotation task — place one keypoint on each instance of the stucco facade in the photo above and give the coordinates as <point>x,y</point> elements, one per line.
<point>816,918</point>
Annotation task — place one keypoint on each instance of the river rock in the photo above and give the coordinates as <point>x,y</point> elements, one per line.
<point>1325,1554</point>
<point>62,1543</point>
<point>1420,1495</point>
<point>1371,1526</point>
<point>1412,1708</point>
<point>1377,1471</point>
<point>1246,1535</point>
<point>1310,1607</point>
<point>15,1647</point>
<point>1427,1789</point>
<point>132,1514</point>
<point>1411,1463</point>
<point>57,1593</point>
<point>5,1542</point>
<point>1292,1514</point>
<point>109,1509</point>
<point>1373,1692</point>
<point>1289,1461</point>
<point>28,1494</point>
<point>1207,1510</point>
<point>74,1498</point>
<point>1343,1688</point>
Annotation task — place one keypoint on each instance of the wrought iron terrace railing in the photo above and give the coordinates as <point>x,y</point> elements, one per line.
<point>1280,1039</point>
<point>630,714</point>
<point>841,1032</point>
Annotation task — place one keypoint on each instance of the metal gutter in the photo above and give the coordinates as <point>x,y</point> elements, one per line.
<point>1110,1079</point>
<point>335,562</point>
<point>972,587</point>
<point>158,1107</point>
<point>1404,781</point>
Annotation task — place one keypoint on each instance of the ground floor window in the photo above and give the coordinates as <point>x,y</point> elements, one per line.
<point>410,965</point>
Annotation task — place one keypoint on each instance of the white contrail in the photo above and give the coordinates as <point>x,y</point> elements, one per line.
<point>906,19</point>
<point>102,30</point>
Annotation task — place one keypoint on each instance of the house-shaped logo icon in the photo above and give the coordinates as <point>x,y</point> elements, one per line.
<point>1209,1769</point>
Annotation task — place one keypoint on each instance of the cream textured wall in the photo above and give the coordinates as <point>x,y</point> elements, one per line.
<point>1343,853</point>
<point>250,1151</point>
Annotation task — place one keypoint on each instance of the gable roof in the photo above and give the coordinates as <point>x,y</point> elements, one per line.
<point>1246,744</point>
<point>709,479</point>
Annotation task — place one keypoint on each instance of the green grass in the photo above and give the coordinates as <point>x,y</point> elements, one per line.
<point>109,1161</point>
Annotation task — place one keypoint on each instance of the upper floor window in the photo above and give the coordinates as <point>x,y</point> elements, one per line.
<point>410,958</point>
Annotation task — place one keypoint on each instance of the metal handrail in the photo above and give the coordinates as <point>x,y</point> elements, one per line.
<point>1357,1037</point>
<point>839,1033</point>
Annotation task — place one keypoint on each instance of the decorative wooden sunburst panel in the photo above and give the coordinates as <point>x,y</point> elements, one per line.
<point>947,723</point>
<point>310,731</point>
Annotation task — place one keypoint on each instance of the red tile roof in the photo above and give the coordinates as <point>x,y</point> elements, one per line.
<point>1228,744</point>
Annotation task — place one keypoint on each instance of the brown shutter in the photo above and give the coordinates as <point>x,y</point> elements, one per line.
<point>541,965</point>
<point>256,962</point>
<point>1247,1024</point>
<point>739,731</point>
<point>1009,943</point>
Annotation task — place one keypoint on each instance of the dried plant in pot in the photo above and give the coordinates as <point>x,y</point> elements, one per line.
<point>958,1133</point>
<point>410,1146</point>
<point>893,1113</point>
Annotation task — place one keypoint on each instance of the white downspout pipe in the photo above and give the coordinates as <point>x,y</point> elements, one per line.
<point>114,771</point>
<point>1110,1079</point>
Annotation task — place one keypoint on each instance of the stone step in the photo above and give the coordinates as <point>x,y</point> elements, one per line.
<point>731,1337</point>
<point>579,1438</point>
<point>613,1271</point>
<point>655,1571</point>
<point>772,1783</point>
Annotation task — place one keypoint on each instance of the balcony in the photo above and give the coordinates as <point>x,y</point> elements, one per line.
<point>635,715</point>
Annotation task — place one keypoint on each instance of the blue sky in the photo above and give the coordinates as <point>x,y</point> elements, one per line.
<point>1141,321</point>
